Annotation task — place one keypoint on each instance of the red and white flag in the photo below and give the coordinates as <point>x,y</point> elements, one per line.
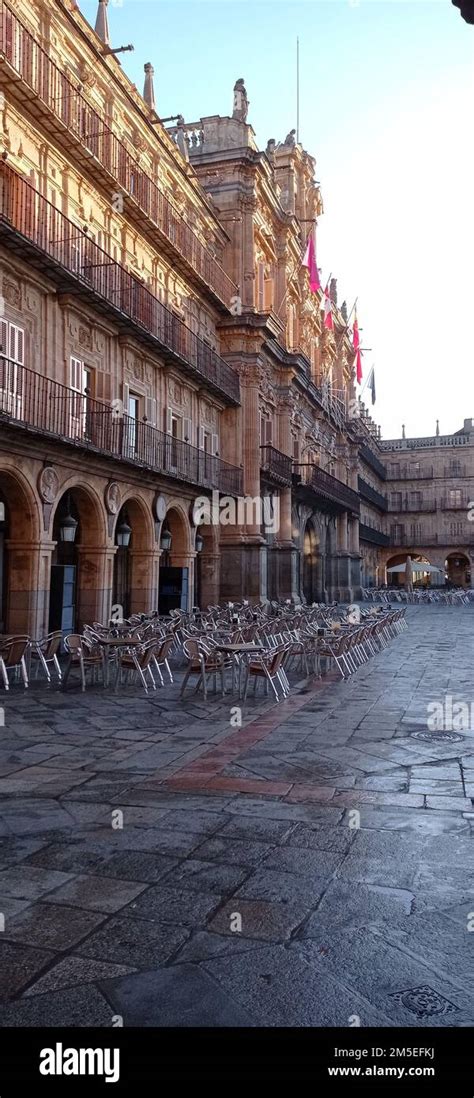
<point>328,318</point>
<point>309,261</point>
<point>356,344</point>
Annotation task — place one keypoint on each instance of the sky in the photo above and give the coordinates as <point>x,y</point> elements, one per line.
<point>387,108</point>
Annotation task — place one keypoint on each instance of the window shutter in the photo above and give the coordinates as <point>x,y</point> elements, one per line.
<point>76,374</point>
<point>4,338</point>
<point>187,430</point>
<point>268,431</point>
<point>201,438</point>
<point>214,443</point>
<point>151,411</point>
<point>261,287</point>
<point>17,342</point>
<point>169,413</point>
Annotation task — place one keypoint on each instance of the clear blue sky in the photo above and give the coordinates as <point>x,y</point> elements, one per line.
<point>387,109</point>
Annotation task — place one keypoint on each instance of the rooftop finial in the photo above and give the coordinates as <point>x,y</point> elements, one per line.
<point>437,426</point>
<point>403,430</point>
<point>148,89</point>
<point>102,23</point>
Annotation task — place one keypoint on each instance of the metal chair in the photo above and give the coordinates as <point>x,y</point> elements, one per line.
<point>12,656</point>
<point>83,654</point>
<point>138,660</point>
<point>45,651</point>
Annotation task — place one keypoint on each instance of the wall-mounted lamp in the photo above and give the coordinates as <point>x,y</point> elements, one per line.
<point>123,535</point>
<point>68,526</point>
<point>165,541</point>
<point>199,543</point>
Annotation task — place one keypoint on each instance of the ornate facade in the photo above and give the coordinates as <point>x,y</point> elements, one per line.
<point>159,346</point>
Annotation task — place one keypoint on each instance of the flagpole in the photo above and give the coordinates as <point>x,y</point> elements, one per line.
<point>352,310</point>
<point>297,90</point>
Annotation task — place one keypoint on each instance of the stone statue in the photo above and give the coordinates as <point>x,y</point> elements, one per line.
<point>290,139</point>
<point>270,149</point>
<point>181,137</point>
<point>241,103</point>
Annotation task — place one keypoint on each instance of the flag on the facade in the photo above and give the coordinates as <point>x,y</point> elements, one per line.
<point>356,344</point>
<point>309,261</point>
<point>371,384</point>
<point>328,320</point>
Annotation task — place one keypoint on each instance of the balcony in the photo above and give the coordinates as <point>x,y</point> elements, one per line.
<point>447,504</point>
<point>332,491</point>
<point>275,466</point>
<point>371,495</point>
<point>372,460</point>
<point>38,405</point>
<point>405,506</point>
<point>405,473</point>
<point>41,87</point>
<point>434,539</point>
<point>35,230</point>
<point>369,533</point>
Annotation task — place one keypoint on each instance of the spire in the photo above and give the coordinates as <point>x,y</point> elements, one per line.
<point>437,426</point>
<point>148,89</point>
<point>403,430</point>
<point>102,23</point>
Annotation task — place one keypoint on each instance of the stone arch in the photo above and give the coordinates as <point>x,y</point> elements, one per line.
<point>312,562</point>
<point>22,585</point>
<point>458,567</point>
<point>177,563</point>
<point>136,567</point>
<point>78,578</point>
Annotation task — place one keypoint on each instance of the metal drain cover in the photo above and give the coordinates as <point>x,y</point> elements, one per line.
<point>437,737</point>
<point>424,1001</point>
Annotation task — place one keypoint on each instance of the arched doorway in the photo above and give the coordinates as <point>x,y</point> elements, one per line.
<point>458,569</point>
<point>311,565</point>
<point>76,584</point>
<point>175,579</point>
<point>22,592</point>
<point>136,559</point>
<point>397,579</point>
<point>206,567</point>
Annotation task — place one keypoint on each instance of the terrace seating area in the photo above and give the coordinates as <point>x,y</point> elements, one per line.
<point>233,648</point>
<point>386,596</point>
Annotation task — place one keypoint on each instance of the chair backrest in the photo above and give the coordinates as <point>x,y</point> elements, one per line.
<point>13,651</point>
<point>192,649</point>
<point>165,647</point>
<point>74,644</point>
<point>51,644</point>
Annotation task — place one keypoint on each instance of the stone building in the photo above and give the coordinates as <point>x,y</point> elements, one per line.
<point>160,348</point>
<point>297,377</point>
<point>116,408</point>
<point>430,487</point>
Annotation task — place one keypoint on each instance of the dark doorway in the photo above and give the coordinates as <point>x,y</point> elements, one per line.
<point>173,594</point>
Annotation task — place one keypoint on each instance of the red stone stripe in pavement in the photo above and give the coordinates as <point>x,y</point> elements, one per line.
<point>203,773</point>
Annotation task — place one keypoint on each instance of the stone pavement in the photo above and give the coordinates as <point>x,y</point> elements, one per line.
<point>161,866</point>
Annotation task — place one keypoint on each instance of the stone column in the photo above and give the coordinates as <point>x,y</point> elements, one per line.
<point>94,582</point>
<point>29,570</point>
<point>144,582</point>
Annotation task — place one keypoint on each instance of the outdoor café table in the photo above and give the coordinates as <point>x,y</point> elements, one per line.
<point>241,649</point>
<point>115,643</point>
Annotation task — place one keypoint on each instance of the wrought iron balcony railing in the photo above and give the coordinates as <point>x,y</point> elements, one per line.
<point>405,473</point>
<point>466,538</point>
<point>447,504</point>
<point>407,506</point>
<point>371,459</point>
<point>333,490</point>
<point>38,404</point>
<point>371,495</point>
<point>43,235</point>
<point>369,533</point>
<point>24,63</point>
<point>275,466</point>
